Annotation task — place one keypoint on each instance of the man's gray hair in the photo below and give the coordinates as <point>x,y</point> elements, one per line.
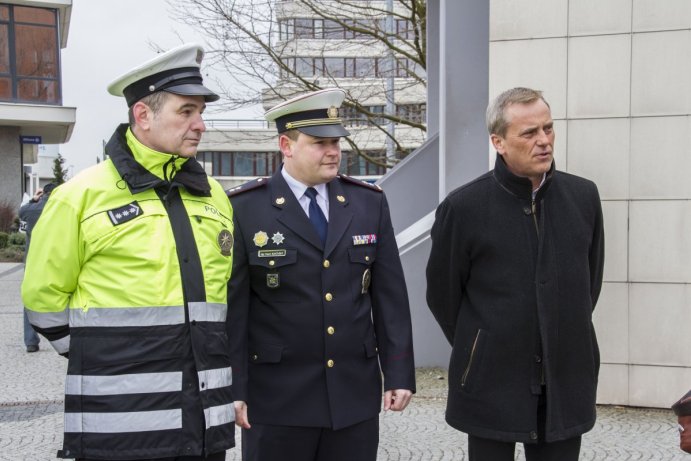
<point>155,102</point>
<point>496,111</point>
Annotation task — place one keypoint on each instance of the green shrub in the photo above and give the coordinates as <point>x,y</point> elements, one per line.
<point>3,239</point>
<point>12,254</point>
<point>17,238</point>
<point>8,213</point>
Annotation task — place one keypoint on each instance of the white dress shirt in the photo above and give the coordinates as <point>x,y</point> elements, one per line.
<point>299,189</point>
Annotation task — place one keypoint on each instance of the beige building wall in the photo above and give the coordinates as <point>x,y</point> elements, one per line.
<point>616,74</point>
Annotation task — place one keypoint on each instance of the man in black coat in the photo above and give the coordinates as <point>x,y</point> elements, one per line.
<point>318,303</point>
<point>514,273</point>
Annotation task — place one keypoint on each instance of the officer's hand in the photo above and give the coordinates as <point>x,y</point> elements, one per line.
<point>241,414</point>
<point>397,399</point>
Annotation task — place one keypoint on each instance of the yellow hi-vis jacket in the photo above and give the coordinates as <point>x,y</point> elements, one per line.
<point>127,276</point>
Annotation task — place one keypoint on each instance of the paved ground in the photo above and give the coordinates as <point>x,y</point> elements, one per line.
<point>31,409</point>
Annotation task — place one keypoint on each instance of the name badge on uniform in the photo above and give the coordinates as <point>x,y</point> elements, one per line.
<point>125,213</point>
<point>366,280</point>
<point>273,280</point>
<point>368,239</point>
<point>271,253</point>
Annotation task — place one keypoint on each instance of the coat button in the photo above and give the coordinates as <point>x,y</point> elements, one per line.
<point>272,263</point>
<point>538,359</point>
<point>255,357</point>
<point>533,435</point>
<point>326,263</point>
<point>366,258</point>
<point>331,330</point>
<point>527,210</point>
<point>330,363</point>
<point>329,297</point>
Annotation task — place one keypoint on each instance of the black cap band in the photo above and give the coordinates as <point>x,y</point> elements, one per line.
<point>160,82</point>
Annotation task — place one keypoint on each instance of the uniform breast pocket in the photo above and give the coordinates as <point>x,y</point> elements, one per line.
<point>361,261</point>
<point>273,273</point>
<point>144,236</point>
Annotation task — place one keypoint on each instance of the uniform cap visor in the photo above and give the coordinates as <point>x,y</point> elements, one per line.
<point>325,131</point>
<point>193,89</point>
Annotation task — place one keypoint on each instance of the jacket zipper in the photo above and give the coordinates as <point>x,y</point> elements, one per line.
<point>464,378</point>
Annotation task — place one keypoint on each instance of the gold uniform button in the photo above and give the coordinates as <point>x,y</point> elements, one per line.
<point>366,258</point>
<point>272,263</point>
<point>331,330</point>
<point>330,363</point>
<point>328,297</point>
<point>326,263</point>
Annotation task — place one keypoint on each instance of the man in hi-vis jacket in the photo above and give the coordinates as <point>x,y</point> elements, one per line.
<point>127,276</point>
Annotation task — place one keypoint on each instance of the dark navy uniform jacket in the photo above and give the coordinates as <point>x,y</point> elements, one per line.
<point>313,329</point>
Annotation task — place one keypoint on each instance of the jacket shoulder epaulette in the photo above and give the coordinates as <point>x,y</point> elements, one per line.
<point>248,186</point>
<point>360,183</point>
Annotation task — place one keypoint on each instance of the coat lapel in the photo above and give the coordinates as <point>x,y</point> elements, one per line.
<point>339,216</point>
<point>292,215</point>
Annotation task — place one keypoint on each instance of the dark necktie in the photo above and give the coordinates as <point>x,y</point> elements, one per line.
<point>316,215</point>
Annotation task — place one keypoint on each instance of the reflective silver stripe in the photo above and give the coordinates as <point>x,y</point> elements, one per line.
<point>222,414</point>
<point>139,383</point>
<point>62,345</point>
<point>47,319</point>
<point>208,312</point>
<point>127,316</point>
<point>110,423</point>
<point>213,379</point>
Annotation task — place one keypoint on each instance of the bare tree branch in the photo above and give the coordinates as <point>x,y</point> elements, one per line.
<point>261,48</point>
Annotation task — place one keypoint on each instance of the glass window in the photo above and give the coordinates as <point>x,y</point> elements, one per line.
<point>286,29</point>
<point>5,88</point>
<point>318,28</point>
<point>304,67</point>
<point>303,28</point>
<point>335,67</point>
<point>34,57</point>
<point>4,50</point>
<point>332,29</point>
<point>224,164</point>
<point>404,29</point>
<point>29,55</point>
<point>243,164</point>
<point>365,67</point>
<point>349,69</point>
<point>34,15</point>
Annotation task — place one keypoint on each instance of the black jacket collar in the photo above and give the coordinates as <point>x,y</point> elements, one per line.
<point>517,185</point>
<point>192,176</point>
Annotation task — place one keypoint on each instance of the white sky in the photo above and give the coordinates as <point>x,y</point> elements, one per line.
<point>106,39</point>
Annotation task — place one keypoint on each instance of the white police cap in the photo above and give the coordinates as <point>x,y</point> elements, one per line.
<point>175,71</point>
<point>315,114</point>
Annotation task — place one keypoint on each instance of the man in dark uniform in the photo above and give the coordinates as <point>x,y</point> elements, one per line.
<point>318,303</point>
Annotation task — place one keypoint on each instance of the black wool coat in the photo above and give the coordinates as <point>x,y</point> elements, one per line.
<point>314,329</point>
<point>513,282</point>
